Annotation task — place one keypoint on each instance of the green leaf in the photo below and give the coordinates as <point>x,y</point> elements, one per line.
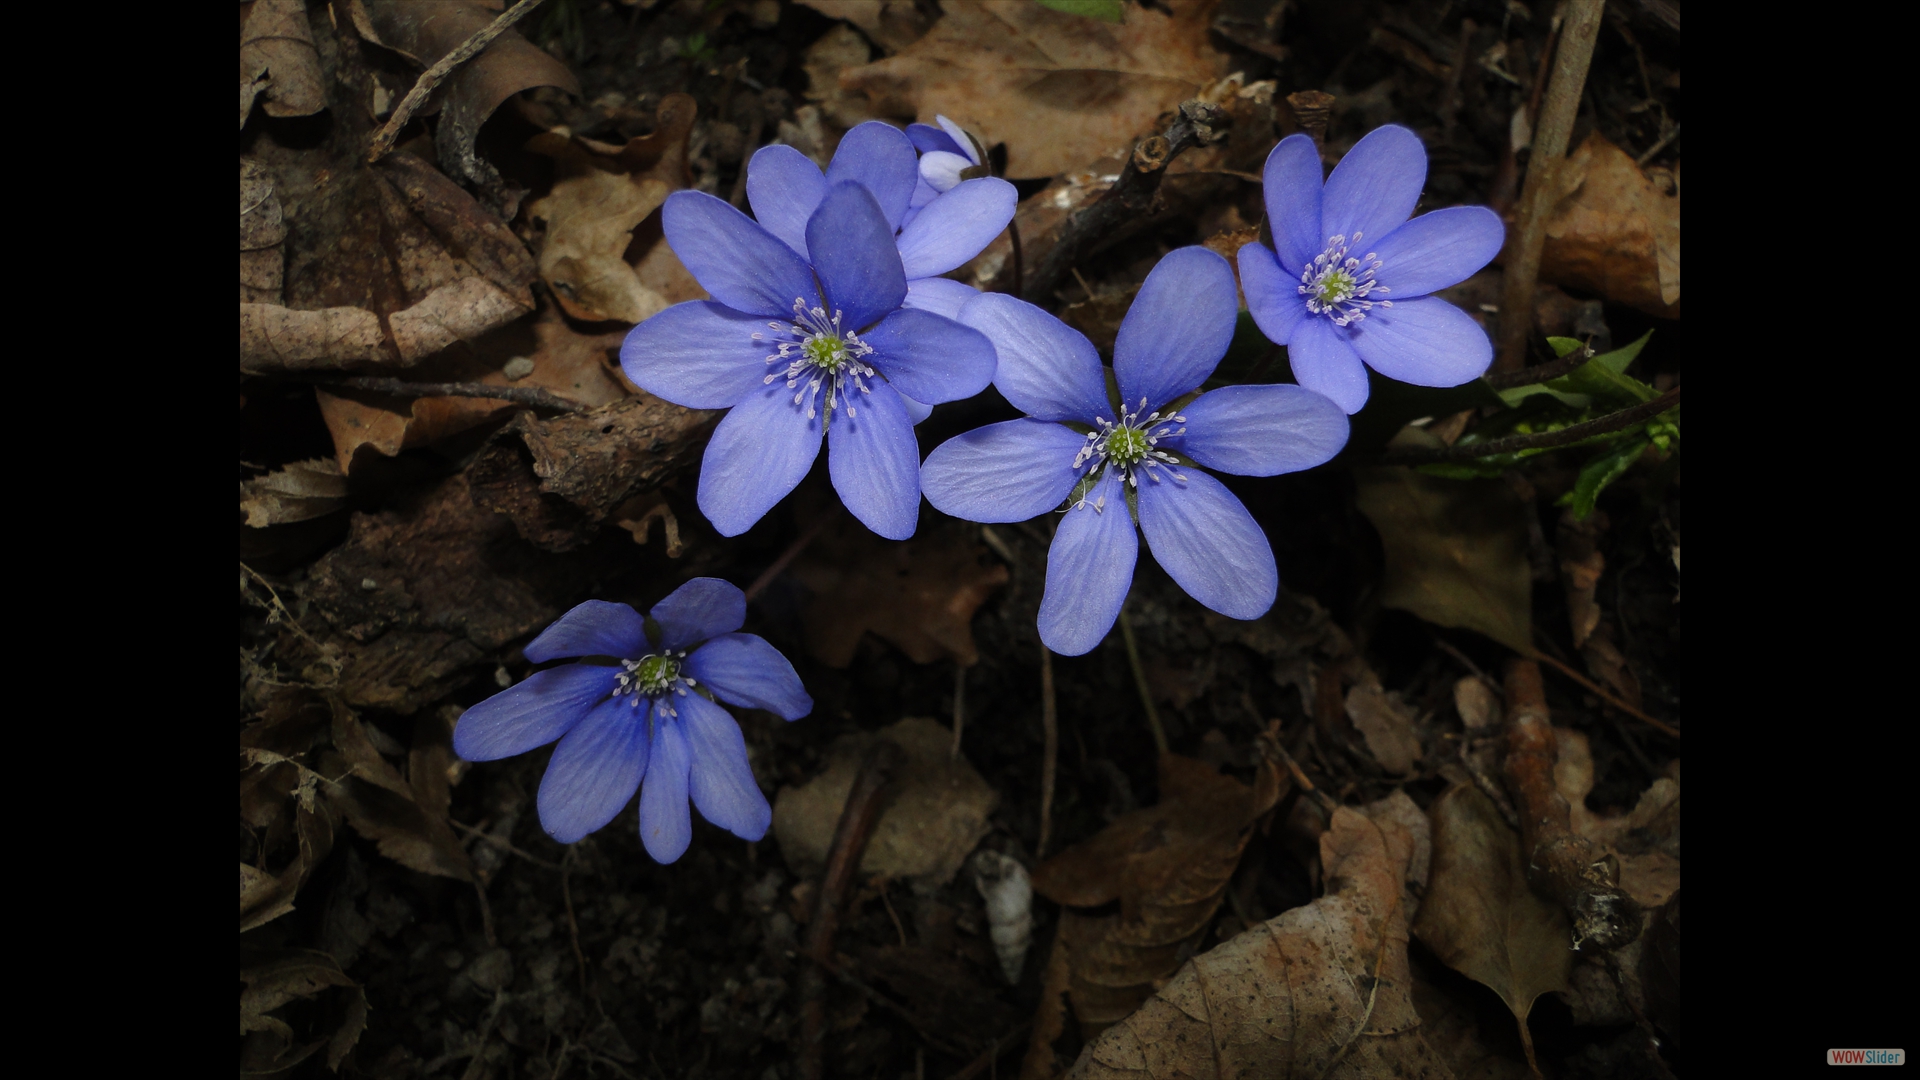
<point>1112,11</point>
<point>1563,346</point>
<point>1601,471</point>
<point>1602,377</point>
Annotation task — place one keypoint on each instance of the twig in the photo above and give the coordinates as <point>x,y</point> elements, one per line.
<point>786,557</point>
<point>1140,682</point>
<point>1050,755</point>
<point>1493,684</point>
<point>520,395</point>
<point>486,912</point>
<point>1132,196</point>
<point>1551,132</point>
<point>503,845</point>
<point>959,707</point>
<point>1320,798</point>
<point>1625,418</point>
<point>1019,256</point>
<point>383,140</point>
<point>1539,373</point>
<point>1562,865</point>
<point>1595,689</point>
<point>857,819</point>
<point>1665,140</point>
<point>992,1054</point>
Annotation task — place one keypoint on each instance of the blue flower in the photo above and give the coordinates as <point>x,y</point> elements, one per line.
<point>816,325</point>
<point>946,153</point>
<point>1170,341</point>
<point>1348,279</point>
<point>631,708</point>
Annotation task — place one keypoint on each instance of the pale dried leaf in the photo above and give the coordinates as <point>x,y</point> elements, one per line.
<point>1456,551</point>
<point>278,60</point>
<point>1387,725</point>
<point>297,492</point>
<point>1614,231</point>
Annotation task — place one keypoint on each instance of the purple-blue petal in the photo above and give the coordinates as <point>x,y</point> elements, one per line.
<point>874,461</point>
<point>784,187</point>
<point>956,226</point>
<point>1003,472</point>
<point>916,410</point>
<point>705,607</point>
<point>1436,250</point>
<point>1207,542</point>
<point>960,138</point>
<point>1047,369</point>
<point>923,193</point>
<point>1374,188</point>
<point>698,354</point>
<point>881,159</point>
<point>734,258</point>
<point>1261,430</point>
<point>1177,329</point>
<point>930,357</point>
<point>1424,341</point>
<point>595,770</point>
<point>721,778</point>
<point>942,296</point>
<point>760,451</point>
<point>927,138</point>
<point>539,709</point>
<point>1323,361</point>
<point>1273,297</point>
<point>593,628</point>
<point>666,825</point>
<point>854,254</point>
<point>941,170</point>
<point>1291,183</point>
<point>743,670</point>
<point>1089,570</point>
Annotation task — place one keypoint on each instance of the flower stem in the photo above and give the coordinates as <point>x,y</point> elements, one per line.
<point>1140,682</point>
<point>1625,418</point>
<point>1050,728</point>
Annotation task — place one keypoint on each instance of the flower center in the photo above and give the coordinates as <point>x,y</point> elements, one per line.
<point>655,676</point>
<point>1131,445</point>
<point>820,357</point>
<point>1337,285</point>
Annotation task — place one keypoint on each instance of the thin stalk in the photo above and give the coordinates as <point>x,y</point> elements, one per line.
<point>1140,682</point>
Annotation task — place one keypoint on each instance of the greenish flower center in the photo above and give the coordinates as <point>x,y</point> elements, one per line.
<point>1336,286</point>
<point>825,352</point>
<point>655,674</point>
<point>1126,445</point>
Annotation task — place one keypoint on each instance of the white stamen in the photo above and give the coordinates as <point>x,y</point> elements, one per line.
<point>1338,285</point>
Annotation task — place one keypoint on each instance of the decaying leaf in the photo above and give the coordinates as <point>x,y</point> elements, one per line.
<point>601,193</point>
<point>272,978</point>
<point>837,50</point>
<point>1456,551</point>
<point>1322,990</point>
<point>937,814</point>
<point>1168,866</point>
<point>302,490</point>
<point>278,62</point>
<point>892,24</point>
<point>1645,842</point>
<point>1615,231</point>
<point>279,804</point>
<point>405,816</point>
<point>1059,90</point>
<point>1581,564</point>
<point>1481,918</point>
<point>424,33</point>
<point>262,228</point>
<point>1386,723</point>
<point>918,594</point>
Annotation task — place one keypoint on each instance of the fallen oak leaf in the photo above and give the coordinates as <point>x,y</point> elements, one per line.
<point>278,61</point>
<point>1615,232</point>
<point>918,594</point>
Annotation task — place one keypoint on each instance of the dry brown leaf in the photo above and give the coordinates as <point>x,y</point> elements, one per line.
<point>837,50</point>
<point>1476,703</point>
<point>918,594</point>
<point>1168,866</point>
<point>1319,991</point>
<point>892,24</point>
<point>406,817</point>
<point>601,193</point>
<point>1387,725</point>
<point>279,804</point>
<point>278,61</point>
<point>1581,564</point>
<point>1456,551</point>
<point>937,815</point>
<point>302,490</point>
<point>424,33</point>
<point>1615,231</point>
<point>262,228</point>
<point>272,978</point>
<point>1645,842</point>
<point>1481,918</point>
<point>1060,90</point>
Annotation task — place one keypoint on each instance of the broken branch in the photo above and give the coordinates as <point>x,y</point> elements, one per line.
<point>1625,418</point>
<point>384,139</point>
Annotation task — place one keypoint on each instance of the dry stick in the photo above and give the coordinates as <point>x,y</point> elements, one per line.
<point>503,845</point>
<point>1550,135</point>
<point>857,819</point>
<point>1625,418</point>
<point>1561,864</point>
<point>1131,197</point>
<point>1140,681</point>
<point>519,395</point>
<point>1050,756</point>
<point>1595,689</point>
<point>1019,256</point>
<point>383,139</point>
<point>1540,373</point>
<point>486,912</point>
<point>793,550</point>
<point>959,706</point>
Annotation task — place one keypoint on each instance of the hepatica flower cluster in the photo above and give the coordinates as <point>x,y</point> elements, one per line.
<point>830,320</point>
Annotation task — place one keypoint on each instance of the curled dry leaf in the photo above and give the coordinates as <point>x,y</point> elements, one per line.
<point>279,804</point>
<point>1615,231</point>
<point>1478,706</point>
<point>1645,842</point>
<point>1386,723</point>
<point>918,594</point>
<point>298,492</point>
<point>1456,551</point>
<point>271,978</point>
<point>406,817</point>
<point>278,62</point>
<point>601,193</point>
<point>1008,892</point>
<point>424,33</point>
<point>1322,990</point>
<point>1481,918</point>
<point>937,814</point>
<point>1168,867</point>
<point>1581,564</point>
<point>1058,89</point>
